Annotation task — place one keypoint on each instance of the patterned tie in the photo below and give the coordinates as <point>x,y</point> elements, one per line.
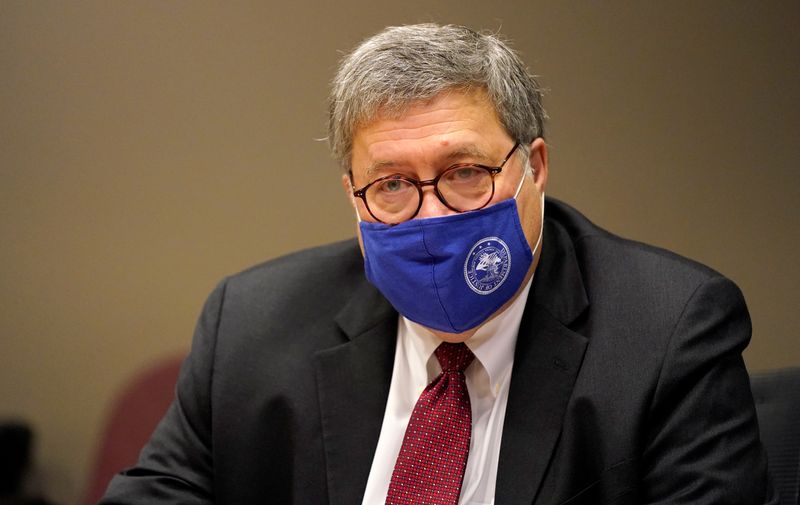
<point>431,463</point>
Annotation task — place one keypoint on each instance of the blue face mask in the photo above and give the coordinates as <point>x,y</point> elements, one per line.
<point>449,273</point>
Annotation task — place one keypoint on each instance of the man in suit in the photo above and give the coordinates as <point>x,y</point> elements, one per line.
<point>592,370</point>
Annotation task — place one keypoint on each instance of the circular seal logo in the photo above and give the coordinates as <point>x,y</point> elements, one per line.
<point>487,265</point>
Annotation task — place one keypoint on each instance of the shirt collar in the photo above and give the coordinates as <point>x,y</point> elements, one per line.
<point>493,343</point>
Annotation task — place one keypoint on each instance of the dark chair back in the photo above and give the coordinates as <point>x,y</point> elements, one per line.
<point>777,396</point>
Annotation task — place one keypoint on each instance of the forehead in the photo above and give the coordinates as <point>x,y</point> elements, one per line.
<point>451,122</point>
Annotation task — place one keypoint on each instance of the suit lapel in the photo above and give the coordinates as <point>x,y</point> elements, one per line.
<point>547,359</point>
<point>353,382</point>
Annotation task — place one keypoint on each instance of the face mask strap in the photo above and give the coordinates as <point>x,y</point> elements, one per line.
<point>516,194</point>
<point>524,175</point>
<point>519,186</point>
<point>541,228</point>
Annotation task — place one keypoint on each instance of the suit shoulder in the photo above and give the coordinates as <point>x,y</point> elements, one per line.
<point>626,277</point>
<point>319,260</point>
<point>317,270</point>
<point>605,250</point>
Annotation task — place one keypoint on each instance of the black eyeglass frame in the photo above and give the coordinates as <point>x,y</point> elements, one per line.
<point>362,193</point>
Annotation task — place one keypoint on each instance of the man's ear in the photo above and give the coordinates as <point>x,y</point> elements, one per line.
<point>538,163</point>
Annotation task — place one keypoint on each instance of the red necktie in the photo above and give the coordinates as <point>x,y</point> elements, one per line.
<point>431,463</point>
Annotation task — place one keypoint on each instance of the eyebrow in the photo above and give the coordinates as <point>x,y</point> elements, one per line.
<point>469,151</point>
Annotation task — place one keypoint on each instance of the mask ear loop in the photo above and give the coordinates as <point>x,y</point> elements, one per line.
<point>541,228</point>
<point>524,175</point>
<point>541,220</point>
<point>522,181</point>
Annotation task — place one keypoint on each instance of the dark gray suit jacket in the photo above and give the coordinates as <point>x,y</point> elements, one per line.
<point>628,385</point>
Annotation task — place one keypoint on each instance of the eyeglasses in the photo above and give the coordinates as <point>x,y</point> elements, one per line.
<point>462,187</point>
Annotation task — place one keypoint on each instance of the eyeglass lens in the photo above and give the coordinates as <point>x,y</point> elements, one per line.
<point>461,188</point>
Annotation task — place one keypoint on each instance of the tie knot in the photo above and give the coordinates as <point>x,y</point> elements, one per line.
<point>453,357</point>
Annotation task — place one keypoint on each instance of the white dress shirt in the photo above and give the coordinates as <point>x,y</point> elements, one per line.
<point>488,378</point>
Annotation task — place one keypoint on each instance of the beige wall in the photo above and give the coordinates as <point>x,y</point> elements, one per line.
<point>149,148</point>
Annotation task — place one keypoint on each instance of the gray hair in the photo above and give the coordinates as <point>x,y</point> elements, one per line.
<point>406,64</point>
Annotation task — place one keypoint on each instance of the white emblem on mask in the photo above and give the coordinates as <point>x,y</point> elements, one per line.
<point>487,265</point>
